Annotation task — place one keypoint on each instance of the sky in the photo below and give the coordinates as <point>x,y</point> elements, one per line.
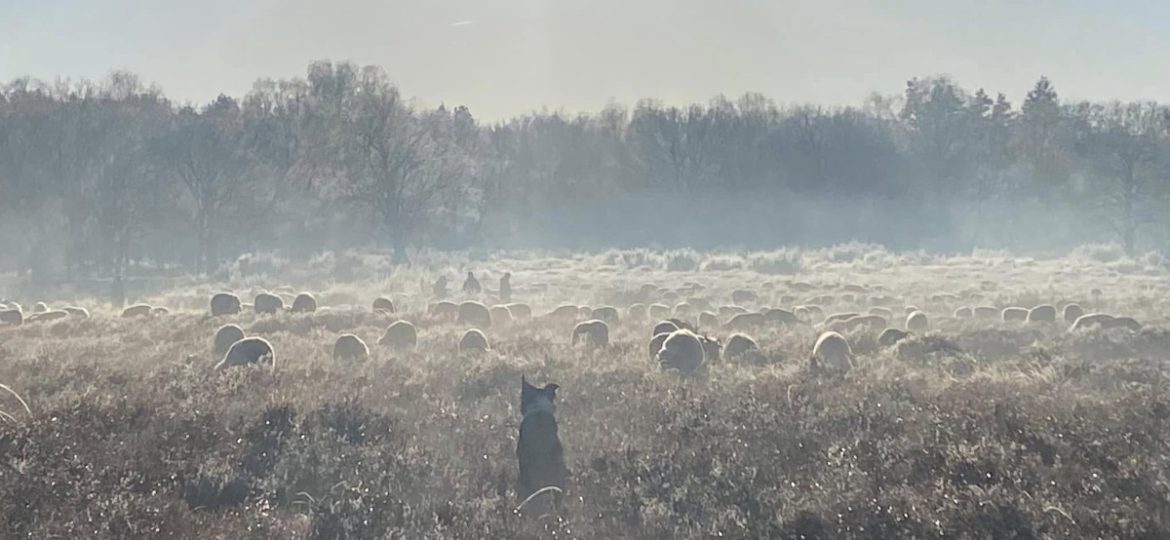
<point>509,57</point>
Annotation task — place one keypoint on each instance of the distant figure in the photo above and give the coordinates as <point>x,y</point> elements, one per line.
<point>471,285</point>
<point>117,293</point>
<point>440,287</point>
<point>539,451</point>
<point>506,287</point>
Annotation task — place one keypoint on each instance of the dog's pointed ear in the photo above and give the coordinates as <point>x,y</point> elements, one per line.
<point>551,390</point>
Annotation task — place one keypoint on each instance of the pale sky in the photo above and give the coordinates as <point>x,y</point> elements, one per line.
<point>504,57</point>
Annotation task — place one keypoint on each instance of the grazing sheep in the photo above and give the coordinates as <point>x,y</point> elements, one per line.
<point>594,332</point>
<point>350,347</point>
<point>11,317</point>
<point>40,307</point>
<point>539,454</point>
<point>267,303</point>
<point>475,314</point>
<point>304,303</point>
<point>746,321</point>
<point>1014,314</point>
<point>658,311</point>
<point>506,287</point>
<point>656,343</point>
<point>584,312</point>
<point>739,345</point>
<point>224,304</point>
<point>664,326</point>
<point>882,312</point>
<point>46,316</point>
<point>383,305</point>
<point>964,313</point>
<point>500,314</point>
<point>743,297</point>
<point>1042,314</point>
<point>708,320</point>
<point>248,351</point>
<point>565,314</point>
<point>891,336</point>
<point>445,310</point>
<point>636,312</point>
<point>608,314</point>
<point>839,317</point>
<point>471,285</point>
<point>15,306</point>
<point>781,316</point>
<point>727,312</point>
<point>473,341</point>
<point>917,322</point>
<point>701,304</point>
<point>520,311</point>
<point>831,353</point>
<point>1127,323</point>
<point>225,337</point>
<point>400,335</point>
<point>683,351</point>
<point>873,322</point>
<point>137,310</point>
<point>684,311</point>
<point>986,312</point>
<point>1104,322</point>
<point>77,312</point>
<point>1072,312</point>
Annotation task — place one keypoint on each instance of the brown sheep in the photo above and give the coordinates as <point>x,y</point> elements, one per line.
<point>594,332</point>
<point>475,314</point>
<point>225,337</point>
<point>383,305</point>
<point>350,347</point>
<point>225,304</point>
<point>304,303</point>
<point>266,303</point>
<point>137,310</point>
<point>917,322</point>
<point>400,335</point>
<point>246,351</point>
<point>831,353</point>
<point>683,351</point>
<point>1042,314</point>
<point>473,341</point>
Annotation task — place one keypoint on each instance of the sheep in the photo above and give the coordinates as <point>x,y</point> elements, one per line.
<point>851,324</point>
<point>636,312</point>
<point>40,307</point>
<point>781,316</point>
<point>891,336</point>
<point>1125,322</point>
<point>964,313</point>
<point>445,310</point>
<point>473,340</point>
<point>77,312</point>
<point>225,337</point>
<point>743,296</point>
<point>350,347</point>
<point>607,314</point>
<point>739,345</point>
<point>684,311</point>
<point>565,314</point>
<point>727,312</point>
<point>1072,312</point>
<point>1089,320</point>
<point>882,312</point>
<point>11,317</point>
<point>683,351</point>
<point>917,322</point>
<point>1014,314</point>
<point>474,313</point>
<point>746,321</point>
<point>831,353</point>
<point>224,304</point>
<point>500,314</point>
<point>304,303</point>
<point>383,305</point>
<point>471,285</point>
<point>839,317</point>
<point>246,351</point>
<point>658,311</point>
<point>266,303</point>
<point>708,320</point>
<point>664,327</point>
<point>1042,314</point>
<point>701,304</point>
<point>137,310</point>
<point>46,316</point>
<point>594,332</point>
<point>159,311</point>
<point>15,306</point>
<point>986,312</point>
<point>520,311</point>
<point>584,312</point>
<point>400,335</point>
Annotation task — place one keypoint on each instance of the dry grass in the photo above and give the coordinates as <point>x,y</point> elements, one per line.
<point>979,429</point>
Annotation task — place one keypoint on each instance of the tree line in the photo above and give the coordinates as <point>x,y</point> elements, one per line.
<point>98,177</point>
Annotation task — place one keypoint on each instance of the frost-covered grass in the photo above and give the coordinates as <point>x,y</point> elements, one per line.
<point>977,428</point>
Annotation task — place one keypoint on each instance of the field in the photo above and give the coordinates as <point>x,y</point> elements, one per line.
<point>977,428</point>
